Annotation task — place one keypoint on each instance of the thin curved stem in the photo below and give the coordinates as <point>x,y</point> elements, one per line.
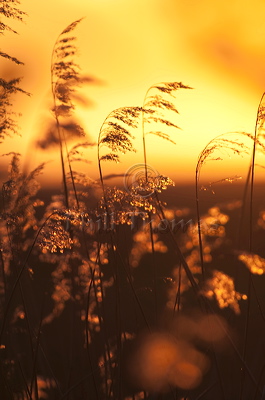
<point>199,222</point>
<point>149,215</point>
<point>53,84</point>
<point>252,167</point>
<point>61,135</point>
<point>253,175</point>
<point>143,132</point>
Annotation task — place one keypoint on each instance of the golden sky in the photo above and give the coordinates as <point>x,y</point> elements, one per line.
<point>216,47</point>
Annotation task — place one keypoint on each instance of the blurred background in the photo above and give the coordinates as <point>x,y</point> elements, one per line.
<point>217,48</point>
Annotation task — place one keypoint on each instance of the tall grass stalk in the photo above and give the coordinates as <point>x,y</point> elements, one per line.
<point>258,125</point>
<point>152,105</point>
<point>224,142</point>
<point>149,214</point>
<point>199,219</point>
<point>260,120</point>
<point>87,335</point>
<point>64,79</point>
<point>115,136</point>
<point>34,380</point>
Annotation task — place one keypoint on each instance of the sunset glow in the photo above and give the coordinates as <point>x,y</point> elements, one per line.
<point>129,46</point>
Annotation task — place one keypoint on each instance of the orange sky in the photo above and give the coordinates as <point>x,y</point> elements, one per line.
<point>215,47</point>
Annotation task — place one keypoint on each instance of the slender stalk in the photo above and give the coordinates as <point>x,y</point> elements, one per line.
<point>101,174</point>
<point>34,376</point>
<point>242,214</point>
<point>28,393</point>
<point>199,221</point>
<point>208,389</point>
<point>259,382</point>
<point>129,278</point>
<point>252,175</point>
<point>53,84</point>
<point>143,134</point>
<point>149,214</point>
<point>34,373</point>
<point>3,275</point>
<point>118,322</point>
<point>71,175</point>
<point>87,336</point>
<point>168,88</point>
<point>61,135</point>
<point>178,294</point>
<point>5,386</point>
<point>102,323</point>
<point>154,264</point>
<point>115,274</point>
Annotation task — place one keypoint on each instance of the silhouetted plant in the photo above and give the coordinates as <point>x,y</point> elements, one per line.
<point>65,79</point>
<point>115,135</point>
<point>8,10</point>
<point>8,125</point>
<point>154,107</point>
<point>221,144</point>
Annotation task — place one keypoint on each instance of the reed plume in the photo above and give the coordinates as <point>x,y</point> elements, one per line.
<point>224,144</point>
<point>65,79</point>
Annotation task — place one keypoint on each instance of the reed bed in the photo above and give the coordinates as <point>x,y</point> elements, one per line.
<point>108,292</point>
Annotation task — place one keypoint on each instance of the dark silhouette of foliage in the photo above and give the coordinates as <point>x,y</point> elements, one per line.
<point>8,125</point>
